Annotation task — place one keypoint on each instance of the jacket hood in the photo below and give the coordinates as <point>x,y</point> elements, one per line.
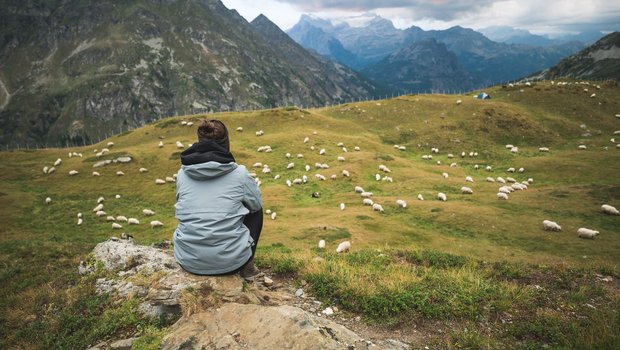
<point>207,151</point>
<point>208,170</point>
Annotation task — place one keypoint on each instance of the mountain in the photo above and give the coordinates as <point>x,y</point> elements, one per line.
<point>598,61</point>
<point>510,35</point>
<point>423,66</point>
<point>74,71</point>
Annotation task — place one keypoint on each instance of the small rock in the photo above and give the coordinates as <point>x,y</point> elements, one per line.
<point>123,159</point>
<point>335,309</point>
<point>299,293</point>
<point>268,281</point>
<point>124,344</point>
<point>328,311</point>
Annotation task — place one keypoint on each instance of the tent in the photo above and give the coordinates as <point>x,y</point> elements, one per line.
<point>483,96</point>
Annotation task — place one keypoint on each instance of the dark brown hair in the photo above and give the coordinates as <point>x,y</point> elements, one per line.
<point>212,129</point>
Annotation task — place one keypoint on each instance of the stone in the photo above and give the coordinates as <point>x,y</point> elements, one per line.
<point>123,344</point>
<point>299,293</point>
<point>268,281</point>
<point>328,311</point>
<point>124,159</point>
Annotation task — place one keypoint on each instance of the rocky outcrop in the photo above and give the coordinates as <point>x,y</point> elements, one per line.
<point>217,312</point>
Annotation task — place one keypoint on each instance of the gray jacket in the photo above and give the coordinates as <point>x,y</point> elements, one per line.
<point>211,202</point>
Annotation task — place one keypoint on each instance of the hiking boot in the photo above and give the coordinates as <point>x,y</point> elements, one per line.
<point>249,271</point>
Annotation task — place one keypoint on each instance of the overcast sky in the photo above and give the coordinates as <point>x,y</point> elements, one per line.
<point>552,17</point>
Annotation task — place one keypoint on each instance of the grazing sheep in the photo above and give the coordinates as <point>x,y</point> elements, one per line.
<point>582,147</point>
<point>80,221</point>
<point>450,155</point>
<point>510,179</point>
<point>266,170</point>
<point>463,154</point>
<point>377,207</point>
<point>322,151</point>
<point>501,180</point>
<point>488,168</point>
<point>333,177</point>
<point>343,247</point>
<point>289,183</point>
<point>120,173</point>
<point>290,165</point>
<point>342,206</point>
<point>304,179</point>
<point>543,149</point>
<point>73,172</point>
<point>341,159</point>
<point>79,215</point>
<point>170,179</point>
<point>116,226</point>
<point>387,179</point>
<point>345,173</point>
<point>48,200</point>
<point>366,194</point>
<point>357,148</point>
<point>257,165</point>
<point>442,196</point>
<point>453,165</point>
<point>160,144</point>
<point>98,207</point>
<point>121,218</point>
<point>384,168</point>
<point>239,128</point>
<point>160,182</point>
<point>521,170</point>
<point>148,212</point>
<point>377,177</point>
<point>509,146</point>
<point>183,122</point>
<point>133,221</point>
<point>156,223</point>
<point>307,167</point>
<point>143,170</point>
<point>505,189</point>
<point>490,179</point>
<point>260,133</point>
<point>100,200</point>
<point>344,149</point>
<point>586,233</point>
<point>287,155</point>
<point>359,189</point>
<point>274,215</point>
<point>402,148</point>
<point>298,181</point>
<point>268,211</point>
<point>469,179</point>
<point>551,226</point>
<point>299,155</point>
<point>476,167</point>
<point>306,139</point>
<point>530,180</point>
<point>514,150</point>
<point>45,169</point>
<point>420,197</point>
<point>180,144</point>
<point>511,170</point>
<point>57,162</point>
<point>445,175</point>
<point>367,201</point>
<point>458,102</point>
<point>401,203</point>
<point>466,190</point>
<point>608,209</point>
<point>320,177</point>
<point>322,244</point>
<point>501,195</point>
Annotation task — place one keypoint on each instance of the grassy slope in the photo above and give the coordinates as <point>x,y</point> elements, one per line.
<point>40,245</point>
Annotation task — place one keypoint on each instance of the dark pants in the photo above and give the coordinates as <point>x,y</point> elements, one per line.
<point>254,222</point>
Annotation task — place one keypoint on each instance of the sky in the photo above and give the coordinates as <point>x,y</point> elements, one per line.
<point>543,17</point>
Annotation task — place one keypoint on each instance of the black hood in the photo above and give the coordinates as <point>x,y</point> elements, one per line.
<point>208,151</point>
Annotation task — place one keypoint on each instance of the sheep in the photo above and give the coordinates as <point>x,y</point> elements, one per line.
<point>274,215</point>
<point>299,155</point>
<point>420,197</point>
<point>51,170</point>
<point>143,170</point>
<point>160,182</point>
<point>359,189</point>
<point>322,244</point>
<point>307,167</point>
<point>384,168</point>
<point>387,179</point>
<point>402,148</point>
<point>469,179</point>
<point>45,169</point>
<point>266,170</point>
<point>453,165</point>
<point>510,170</point>
<point>116,226</point>
<point>260,133</point>
<point>342,206</point>
<point>377,177</point>
<point>343,247</point>
<point>471,154</point>
<point>80,221</point>
<point>298,181</point>
<point>48,200</point>
<point>333,177</point>
<point>509,146</point>
<point>551,226</point>
<point>609,210</point>
<point>514,150</point>
<point>156,223</point>
<point>287,155</point>
<point>445,175</point>
<point>501,195</point>
<point>458,102</point>
<point>133,221</point>
<point>180,144</point>
<point>73,172</point>
<point>100,200</point>
<point>121,218</point>
<point>320,177</point>
<point>322,151</point>
<point>366,194</point>
<point>582,147</point>
<point>306,139</point>
<point>57,162</point>
<point>257,165</point>
<point>148,212</point>
<point>476,166</point>
<point>98,207</point>
<point>586,233</point>
<point>543,149</point>
<point>183,122</point>
<point>490,179</point>
<point>367,201</point>
<point>170,179</point>
<point>79,215</point>
<point>120,173</point>
<point>304,179</point>
<point>356,148</point>
<point>401,203</point>
<point>289,183</point>
<point>488,168</point>
<point>341,159</point>
<point>501,180</point>
<point>450,155</point>
<point>345,173</point>
<point>268,211</point>
<point>160,144</point>
<point>344,149</point>
<point>521,170</point>
<point>463,154</point>
<point>239,128</point>
<point>442,196</point>
<point>505,189</point>
<point>377,207</point>
<point>466,190</point>
<point>510,179</point>
<point>290,165</point>
<point>530,180</point>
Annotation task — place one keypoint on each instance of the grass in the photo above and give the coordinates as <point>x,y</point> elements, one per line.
<point>470,262</point>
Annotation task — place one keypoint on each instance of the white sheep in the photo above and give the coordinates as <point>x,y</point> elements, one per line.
<point>268,211</point>
<point>366,194</point>
<point>549,225</point>
<point>110,218</point>
<point>543,149</point>
<point>377,177</point>
<point>582,147</point>
<point>420,197</point>
<point>304,179</point>
<point>488,168</point>
<point>377,207</point>
<point>148,212</point>
<point>341,159</point>
<point>506,189</point>
<point>133,221</point>
<point>307,167</point>
<point>384,168</point>
<point>159,181</point>
<point>274,215</point>
<point>345,173</point>
<point>450,155</point>
<point>466,190</point>
<point>290,165</point>
<point>322,151</point>
<point>306,139</point>
<point>490,179</point>
<point>170,179</point>
<point>501,195</point>
<point>322,244</point>
<point>453,165</point>
<point>442,196</point>
<point>343,247</point>
<point>48,200</point>
<point>357,148</point>
<point>143,170</point>
<point>501,180</point>
<point>266,170</point>
<point>57,162</point>
<point>387,179</point>
<point>445,175</point>
<point>509,146</point>
<point>298,181</point>
<point>260,133</point>
<point>289,183</point>
<point>180,144</point>
<point>586,233</point>
<point>333,177</point>
<point>514,150</point>
<point>458,102</point>
<point>320,177</point>
<point>510,179</point>
<point>402,148</point>
<point>530,180</point>
<point>156,223</point>
<point>120,173</point>
<point>100,200</point>
<point>359,189</point>
<point>287,155</point>
<point>476,166</point>
<point>98,207</point>
<point>299,155</point>
<point>276,177</point>
<point>183,122</point>
<point>469,179</point>
<point>342,206</point>
<point>160,144</point>
<point>239,128</point>
<point>45,169</point>
<point>73,172</point>
<point>608,209</point>
<point>116,226</point>
<point>521,170</point>
<point>80,221</point>
<point>257,165</point>
<point>344,149</point>
<point>510,170</point>
<point>367,201</point>
<point>79,215</point>
<point>401,203</point>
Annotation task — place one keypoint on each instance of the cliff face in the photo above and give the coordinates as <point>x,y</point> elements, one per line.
<point>73,71</point>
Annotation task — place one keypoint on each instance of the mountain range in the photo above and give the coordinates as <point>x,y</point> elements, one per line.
<point>362,44</point>
<point>73,71</point>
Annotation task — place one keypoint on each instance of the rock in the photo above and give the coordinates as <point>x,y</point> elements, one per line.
<point>328,311</point>
<point>100,346</point>
<point>299,293</point>
<point>101,163</point>
<point>268,281</point>
<point>124,159</point>
<point>124,344</point>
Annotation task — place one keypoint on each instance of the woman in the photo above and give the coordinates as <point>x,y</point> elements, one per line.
<point>219,208</point>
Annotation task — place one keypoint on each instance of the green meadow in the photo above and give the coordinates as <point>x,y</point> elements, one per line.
<point>480,269</point>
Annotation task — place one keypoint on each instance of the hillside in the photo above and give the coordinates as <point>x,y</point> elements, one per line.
<point>473,271</point>
<point>73,72</point>
<point>600,61</point>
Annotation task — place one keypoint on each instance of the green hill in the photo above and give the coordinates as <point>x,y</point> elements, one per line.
<point>471,262</point>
